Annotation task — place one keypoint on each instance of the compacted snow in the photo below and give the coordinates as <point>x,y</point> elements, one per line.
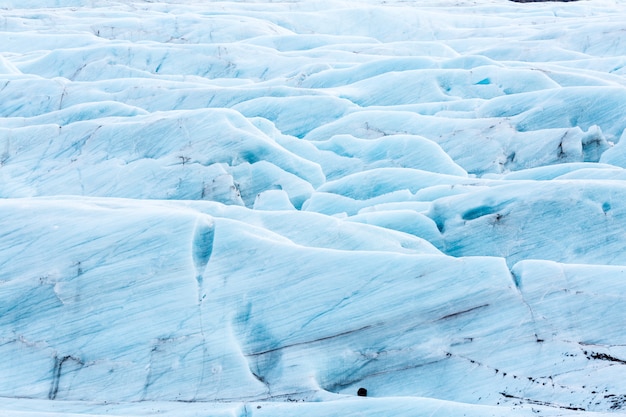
<point>255,208</point>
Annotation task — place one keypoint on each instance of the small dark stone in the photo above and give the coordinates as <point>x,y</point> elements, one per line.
<point>362,392</point>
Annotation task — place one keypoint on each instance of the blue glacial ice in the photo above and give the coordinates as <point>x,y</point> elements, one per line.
<point>256,208</point>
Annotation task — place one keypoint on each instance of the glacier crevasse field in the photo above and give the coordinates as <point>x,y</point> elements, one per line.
<point>255,208</point>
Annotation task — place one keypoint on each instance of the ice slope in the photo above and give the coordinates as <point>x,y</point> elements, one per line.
<point>255,208</point>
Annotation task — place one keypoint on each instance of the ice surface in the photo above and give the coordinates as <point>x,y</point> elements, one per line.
<point>256,208</point>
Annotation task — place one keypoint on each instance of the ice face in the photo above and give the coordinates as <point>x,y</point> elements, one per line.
<point>260,208</point>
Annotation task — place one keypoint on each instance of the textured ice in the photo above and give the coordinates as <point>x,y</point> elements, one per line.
<point>256,208</point>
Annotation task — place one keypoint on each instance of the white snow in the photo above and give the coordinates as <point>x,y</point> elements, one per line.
<point>255,208</point>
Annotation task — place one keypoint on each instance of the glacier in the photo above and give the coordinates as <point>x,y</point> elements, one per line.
<point>255,208</point>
